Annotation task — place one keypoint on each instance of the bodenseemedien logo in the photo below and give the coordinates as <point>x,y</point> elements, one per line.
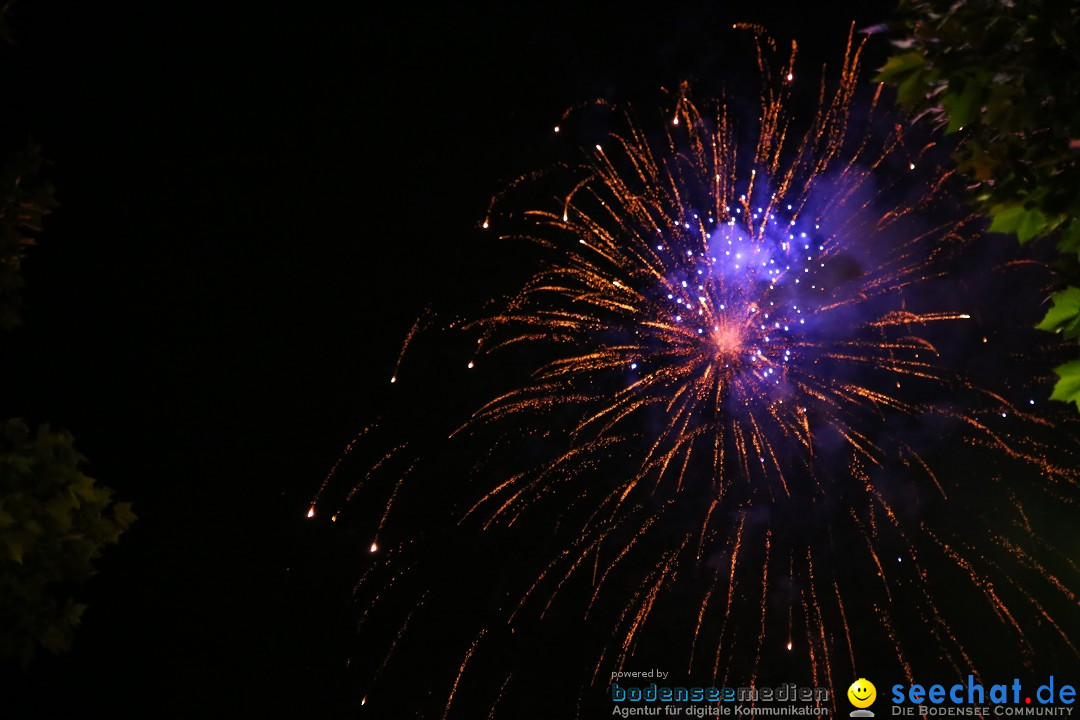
<point>861,694</point>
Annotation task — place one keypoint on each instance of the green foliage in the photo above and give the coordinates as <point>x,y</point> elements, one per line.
<point>1001,75</point>
<point>25,200</point>
<point>1064,315</point>
<point>1069,241</point>
<point>54,521</point>
<point>1067,388</point>
<point>908,72</point>
<point>1026,222</point>
<point>1004,74</point>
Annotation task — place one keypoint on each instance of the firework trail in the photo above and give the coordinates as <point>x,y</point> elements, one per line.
<point>422,322</point>
<point>739,361</point>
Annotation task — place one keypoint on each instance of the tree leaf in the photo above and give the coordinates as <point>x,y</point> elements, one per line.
<point>899,67</point>
<point>1015,218</point>
<point>981,164</point>
<point>911,90</point>
<point>123,514</point>
<point>1070,239</point>
<point>1064,315</point>
<point>1005,218</point>
<point>15,549</point>
<point>1032,222</point>
<point>960,107</point>
<point>1067,388</point>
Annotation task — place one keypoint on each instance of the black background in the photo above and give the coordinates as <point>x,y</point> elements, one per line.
<point>256,203</point>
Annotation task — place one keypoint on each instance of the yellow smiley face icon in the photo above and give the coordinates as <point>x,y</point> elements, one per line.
<point>862,693</point>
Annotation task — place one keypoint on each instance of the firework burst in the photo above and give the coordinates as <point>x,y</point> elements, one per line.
<point>742,360</point>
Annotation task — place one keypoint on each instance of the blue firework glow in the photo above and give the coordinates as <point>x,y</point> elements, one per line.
<point>733,356</point>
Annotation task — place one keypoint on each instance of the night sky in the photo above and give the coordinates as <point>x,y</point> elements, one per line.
<point>255,205</point>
